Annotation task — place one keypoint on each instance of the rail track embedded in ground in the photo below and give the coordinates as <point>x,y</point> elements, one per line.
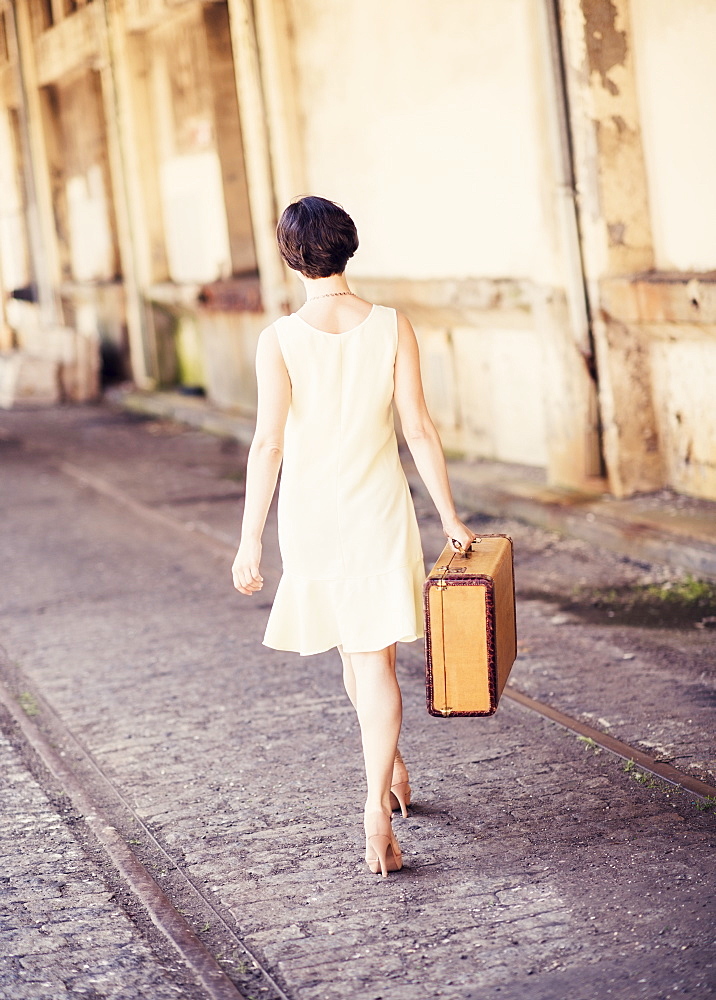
<point>659,768</point>
<point>98,800</point>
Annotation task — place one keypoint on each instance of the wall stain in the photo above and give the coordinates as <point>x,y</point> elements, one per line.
<point>617,231</point>
<point>606,47</point>
<point>621,126</point>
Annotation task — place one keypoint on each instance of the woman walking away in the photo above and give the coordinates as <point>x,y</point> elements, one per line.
<point>352,563</point>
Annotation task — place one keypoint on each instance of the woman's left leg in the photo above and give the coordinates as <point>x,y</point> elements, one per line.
<point>400,787</point>
<point>380,712</point>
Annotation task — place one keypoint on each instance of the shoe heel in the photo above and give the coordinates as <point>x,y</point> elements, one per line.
<point>400,797</point>
<point>379,845</point>
<point>382,850</point>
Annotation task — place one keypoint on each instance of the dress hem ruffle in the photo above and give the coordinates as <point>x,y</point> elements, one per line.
<point>360,614</point>
<point>326,649</point>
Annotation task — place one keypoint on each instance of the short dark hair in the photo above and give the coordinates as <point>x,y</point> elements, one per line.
<point>316,237</point>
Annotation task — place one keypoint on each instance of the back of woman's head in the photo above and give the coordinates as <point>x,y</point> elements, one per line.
<point>316,237</point>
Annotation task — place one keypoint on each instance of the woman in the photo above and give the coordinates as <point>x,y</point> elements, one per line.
<point>352,563</point>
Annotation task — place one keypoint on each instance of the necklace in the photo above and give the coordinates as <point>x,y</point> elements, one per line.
<point>327,295</point>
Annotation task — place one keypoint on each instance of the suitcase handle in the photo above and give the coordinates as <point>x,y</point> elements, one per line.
<point>459,547</point>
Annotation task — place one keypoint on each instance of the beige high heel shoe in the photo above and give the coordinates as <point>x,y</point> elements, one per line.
<point>382,850</point>
<point>399,786</point>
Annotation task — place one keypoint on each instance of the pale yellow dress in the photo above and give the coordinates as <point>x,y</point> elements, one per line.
<point>353,566</point>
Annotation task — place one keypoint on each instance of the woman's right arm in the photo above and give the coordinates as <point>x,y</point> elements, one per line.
<point>264,461</point>
<point>420,434</point>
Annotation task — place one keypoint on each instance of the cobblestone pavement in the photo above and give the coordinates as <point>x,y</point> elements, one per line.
<point>534,868</point>
<point>62,934</point>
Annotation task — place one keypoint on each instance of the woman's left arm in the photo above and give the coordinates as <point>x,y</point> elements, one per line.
<point>264,461</point>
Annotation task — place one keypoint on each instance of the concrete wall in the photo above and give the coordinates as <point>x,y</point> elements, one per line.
<point>684,373</point>
<point>676,83</point>
<point>84,200</point>
<point>675,46</point>
<point>13,239</point>
<point>424,120</point>
<point>200,192</point>
<point>196,231</point>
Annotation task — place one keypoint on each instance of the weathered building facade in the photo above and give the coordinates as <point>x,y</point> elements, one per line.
<point>531,180</point>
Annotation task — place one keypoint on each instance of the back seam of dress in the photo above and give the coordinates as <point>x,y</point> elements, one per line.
<point>339,458</point>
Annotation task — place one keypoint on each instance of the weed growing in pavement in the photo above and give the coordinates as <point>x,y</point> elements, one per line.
<point>589,744</point>
<point>641,777</point>
<point>676,602</point>
<point>28,704</point>
<point>645,779</point>
<point>240,966</point>
<point>683,603</point>
<point>707,804</point>
<point>686,591</point>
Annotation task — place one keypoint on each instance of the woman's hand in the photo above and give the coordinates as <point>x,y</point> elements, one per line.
<point>459,532</point>
<point>245,569</point>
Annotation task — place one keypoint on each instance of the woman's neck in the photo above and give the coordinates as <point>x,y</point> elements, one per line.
<point>335,284</point>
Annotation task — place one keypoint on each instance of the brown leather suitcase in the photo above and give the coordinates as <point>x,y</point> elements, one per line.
<point>470,632</point>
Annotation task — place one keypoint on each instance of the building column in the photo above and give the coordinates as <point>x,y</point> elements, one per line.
<point>42,235</point>
<point>563,318</point>
<point>615,227</point>
<point>279,86</point>
<point>5,331</point>
<point>257,154</point>
<point>126,188</point>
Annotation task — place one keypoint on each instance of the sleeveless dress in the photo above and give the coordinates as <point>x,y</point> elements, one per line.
<point>353,566</point>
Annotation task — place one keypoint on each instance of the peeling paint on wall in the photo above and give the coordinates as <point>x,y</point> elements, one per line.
<point>606,46</point>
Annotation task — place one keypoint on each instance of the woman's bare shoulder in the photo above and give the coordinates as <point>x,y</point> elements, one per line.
<point>268,347</point>
<point>269,336</point>
<point>270,332</point>
<point>406,333</point>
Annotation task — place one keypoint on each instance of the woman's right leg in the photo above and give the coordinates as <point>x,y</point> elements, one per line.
<point>349,678</point>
